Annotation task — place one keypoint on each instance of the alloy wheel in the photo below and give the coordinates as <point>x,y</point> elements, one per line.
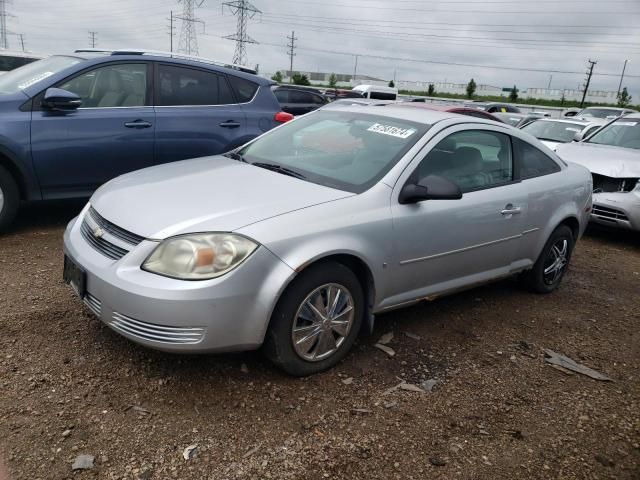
<point>322,322</point>
<point>556,261</point>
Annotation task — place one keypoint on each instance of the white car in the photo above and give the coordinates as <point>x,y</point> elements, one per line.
<point>552,131</point>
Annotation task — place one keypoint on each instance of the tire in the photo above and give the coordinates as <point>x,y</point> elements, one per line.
<point>9,198</point>
<point>558,248</point>
<point>318,286</point>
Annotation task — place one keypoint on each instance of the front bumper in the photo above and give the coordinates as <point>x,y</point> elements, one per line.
<point>617,209</point>
<point>229,313</point>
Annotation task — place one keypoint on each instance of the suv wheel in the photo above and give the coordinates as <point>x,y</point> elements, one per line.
<point>316,321</point>
<point>549,269</point>
<point>9,198</point>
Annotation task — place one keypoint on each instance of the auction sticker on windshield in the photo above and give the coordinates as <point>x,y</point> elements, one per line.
<point>391,130</point>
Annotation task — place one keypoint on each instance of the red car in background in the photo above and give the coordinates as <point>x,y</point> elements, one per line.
<point>472,112</point>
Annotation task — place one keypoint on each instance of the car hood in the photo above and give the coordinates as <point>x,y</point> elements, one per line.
<point>203,195</point>
<point>616,162</point>
<point>550,144</point>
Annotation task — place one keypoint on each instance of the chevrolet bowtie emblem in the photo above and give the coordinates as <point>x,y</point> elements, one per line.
<point>98,232</point>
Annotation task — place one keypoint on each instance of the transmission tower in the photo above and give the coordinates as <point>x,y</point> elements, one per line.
<point>3,24</point>
<point>244,10</point>
<point>188,40</point>
<point>92,39</point>
<point>588,81</point>
<point>291,46</point>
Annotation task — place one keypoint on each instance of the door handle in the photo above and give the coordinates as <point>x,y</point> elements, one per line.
<point>511,210</point>
<point>230,124</point>
<point>137,124</point>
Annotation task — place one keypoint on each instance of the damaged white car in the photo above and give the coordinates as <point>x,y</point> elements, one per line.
<point>612,156</point>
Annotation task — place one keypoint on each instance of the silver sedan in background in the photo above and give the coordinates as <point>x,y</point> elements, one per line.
<point>554,131</point>
<point>296,240</point>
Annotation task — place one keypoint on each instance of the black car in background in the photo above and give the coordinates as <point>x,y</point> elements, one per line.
<point>494,107</point>
<point>298,100</point>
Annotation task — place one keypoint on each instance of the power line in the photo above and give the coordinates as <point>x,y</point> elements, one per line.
<point>92,39</point>
<point>586,85</point>
<point>291,45</point>
<point>244,10</point>
<point>188,38</point>
<point>456,64</point>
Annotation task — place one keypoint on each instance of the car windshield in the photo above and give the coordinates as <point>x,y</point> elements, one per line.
<point>27,75</point>
<point>554,131</point>
<point>624,132</point>
<point>344,150</point>
<point>600,112</point>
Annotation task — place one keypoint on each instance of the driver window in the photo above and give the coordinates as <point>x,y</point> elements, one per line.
<point>122,85</point>
<point>472,159</point>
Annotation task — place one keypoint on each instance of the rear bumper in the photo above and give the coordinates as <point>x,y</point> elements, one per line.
<point>229,313</point>
<point>620,210</point>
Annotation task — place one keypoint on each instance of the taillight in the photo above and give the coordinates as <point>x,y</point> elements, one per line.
<point>283,117</point>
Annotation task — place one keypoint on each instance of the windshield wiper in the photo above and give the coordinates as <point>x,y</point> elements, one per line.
<point>235,156</point>
<point>274,167</point>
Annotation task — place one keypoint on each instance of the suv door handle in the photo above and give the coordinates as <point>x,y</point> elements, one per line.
<point>137,124</point>
<point>511,210</point>
<point>230,124</point>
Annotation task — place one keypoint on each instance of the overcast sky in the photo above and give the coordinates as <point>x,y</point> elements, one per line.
<point>546,35</point>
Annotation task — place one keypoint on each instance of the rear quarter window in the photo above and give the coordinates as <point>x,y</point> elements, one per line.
<point>243,89</point>
<point>533,162</point>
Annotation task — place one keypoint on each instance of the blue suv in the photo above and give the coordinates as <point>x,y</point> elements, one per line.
<point>72,122</point>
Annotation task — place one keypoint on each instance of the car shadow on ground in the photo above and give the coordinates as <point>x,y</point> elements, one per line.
<point>58,213</point>
<point>611,236</point>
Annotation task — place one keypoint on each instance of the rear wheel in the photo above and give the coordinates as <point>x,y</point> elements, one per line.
<point>9,198</point>
<point>316,321</point>
<point>549,269</point>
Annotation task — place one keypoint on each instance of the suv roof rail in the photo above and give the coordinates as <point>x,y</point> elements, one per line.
<point>160,53</point>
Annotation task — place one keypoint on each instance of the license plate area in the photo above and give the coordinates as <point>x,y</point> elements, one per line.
<point>75,276</point>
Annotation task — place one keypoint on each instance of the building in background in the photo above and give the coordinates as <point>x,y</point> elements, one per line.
<point>344,79</point>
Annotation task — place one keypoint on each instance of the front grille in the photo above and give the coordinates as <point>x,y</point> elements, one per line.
<point>115,230</point>
<point>607,213</point>
<point>93,304</point>
<point>105,247</point>
<point>156,333</point>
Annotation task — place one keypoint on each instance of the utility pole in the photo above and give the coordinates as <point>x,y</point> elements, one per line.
<point>291,45</point>
<point>621,78</point>
<point>3,24</point>
<point>355,69</point>
<point>188,40</point>
<point>550,78</point>
<point>21,35</point>
<point>92,39</point>
<point>244,10</point>
<point>586,85</point>
<point>171,31</point>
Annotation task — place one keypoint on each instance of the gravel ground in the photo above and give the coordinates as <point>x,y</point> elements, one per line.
<point>70,386</point>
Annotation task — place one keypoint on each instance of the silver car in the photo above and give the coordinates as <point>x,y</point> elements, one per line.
<point>613,157</point>
<point>296,240</point>
<point>554,131</point>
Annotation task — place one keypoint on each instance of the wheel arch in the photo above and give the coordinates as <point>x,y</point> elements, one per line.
<point>28,191</point>
<point>362,272</point>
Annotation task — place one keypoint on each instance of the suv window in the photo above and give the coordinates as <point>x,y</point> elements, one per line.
<point>473,159</point>
<point>318,100</point>
<point>119,85</point>
<point>534,162</point>
<point>282,95</point>
<point>297,96</point>
<point>189,86</point>
<point>244,89</point>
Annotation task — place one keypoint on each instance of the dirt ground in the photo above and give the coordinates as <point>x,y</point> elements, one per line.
<point>70,386</point>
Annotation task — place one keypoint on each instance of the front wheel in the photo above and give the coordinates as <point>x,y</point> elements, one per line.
<point>9,198</point>
<point>549,269</point>
<point>316,321</point>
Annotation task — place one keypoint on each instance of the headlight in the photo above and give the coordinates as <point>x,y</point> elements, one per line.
<point>199,256</point>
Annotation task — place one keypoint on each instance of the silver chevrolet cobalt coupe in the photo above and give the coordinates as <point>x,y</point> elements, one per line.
<point>296,240</point>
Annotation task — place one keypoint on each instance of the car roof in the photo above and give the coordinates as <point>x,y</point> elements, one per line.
<point>418,115</point>
<point>563,120</point>
<point>633,115</point>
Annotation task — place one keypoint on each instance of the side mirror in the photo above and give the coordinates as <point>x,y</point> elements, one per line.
<point>432,187</point>
<point>60,100</point>
<point>578,136</point>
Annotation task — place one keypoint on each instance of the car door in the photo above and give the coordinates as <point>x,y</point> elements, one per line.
<point>442,245</point>
<point>110,134</point>
<point>196,113</point>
